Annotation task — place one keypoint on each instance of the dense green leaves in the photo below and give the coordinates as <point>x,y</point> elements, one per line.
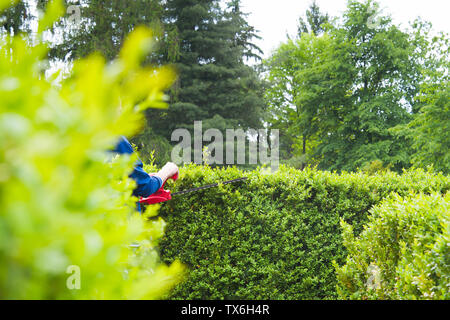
<point>276,235</point>
<point>310,83</point>
<point>429,129</point>
<point>339,94</point>
<point>403,252</point>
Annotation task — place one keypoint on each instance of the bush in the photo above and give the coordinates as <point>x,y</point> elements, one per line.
<point>274,236</point>
<point>403,252</point>
<point>66,212</point>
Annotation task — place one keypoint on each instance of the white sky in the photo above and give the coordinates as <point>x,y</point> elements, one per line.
<point>275,18</point>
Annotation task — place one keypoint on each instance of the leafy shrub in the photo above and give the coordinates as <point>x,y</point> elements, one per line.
<point>403,252</point>
<point>375,166</point>
<point>274,236</point>
<point>62,204</point>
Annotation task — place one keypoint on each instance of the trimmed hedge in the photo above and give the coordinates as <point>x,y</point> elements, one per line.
<point>403,253</point>
<point>276,235</point>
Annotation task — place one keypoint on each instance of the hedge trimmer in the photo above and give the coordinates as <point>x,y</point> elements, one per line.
<point>163,195</point>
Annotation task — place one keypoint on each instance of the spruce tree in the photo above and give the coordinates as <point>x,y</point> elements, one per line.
<point>103,26</point>
<point>15,19</point>
<point>215,84</point>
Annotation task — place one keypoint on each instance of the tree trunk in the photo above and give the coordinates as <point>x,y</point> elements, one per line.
<point>304,151</point>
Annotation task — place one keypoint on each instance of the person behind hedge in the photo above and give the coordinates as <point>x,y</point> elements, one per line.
<point>147,184</point>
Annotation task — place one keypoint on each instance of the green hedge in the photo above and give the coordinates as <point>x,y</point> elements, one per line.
<point>276,235</point>
<point>403,253</point>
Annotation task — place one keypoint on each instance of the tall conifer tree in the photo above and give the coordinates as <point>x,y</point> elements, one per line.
<point>215,83</point>
<point>102,26</point>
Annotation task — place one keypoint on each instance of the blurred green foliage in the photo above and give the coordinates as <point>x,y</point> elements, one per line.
<point>276,235</point>
<point>403,252</point>
<point>62,202</point>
